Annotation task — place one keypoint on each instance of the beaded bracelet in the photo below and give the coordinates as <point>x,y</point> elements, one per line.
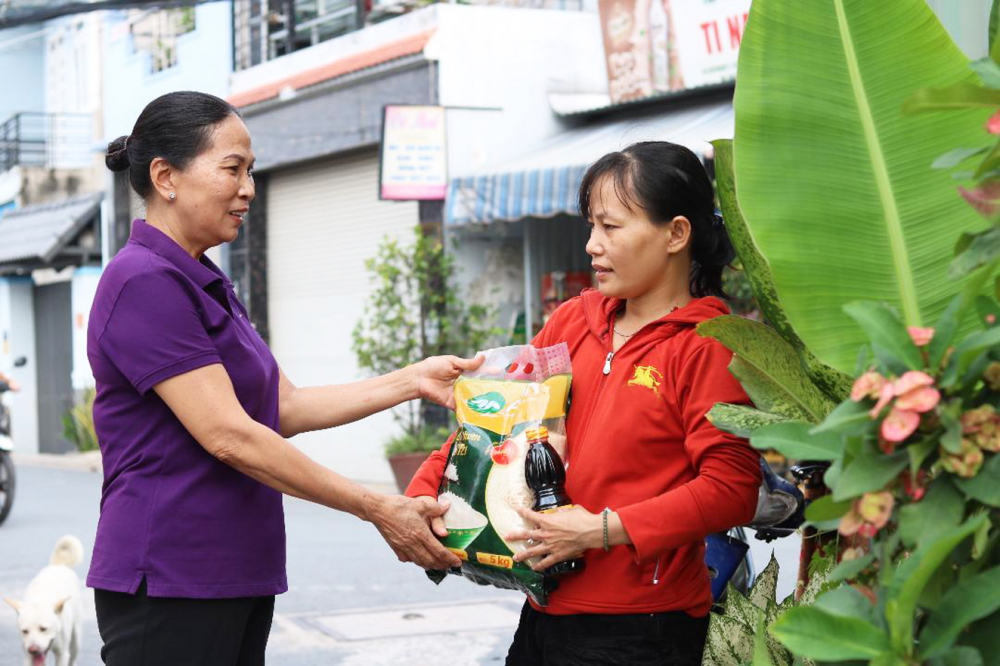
<point>604,515</point>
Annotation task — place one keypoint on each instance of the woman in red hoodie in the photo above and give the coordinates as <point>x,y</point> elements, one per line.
<point>650,476</point>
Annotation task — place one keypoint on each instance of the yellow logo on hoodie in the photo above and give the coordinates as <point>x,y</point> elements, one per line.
<point>646,376</point>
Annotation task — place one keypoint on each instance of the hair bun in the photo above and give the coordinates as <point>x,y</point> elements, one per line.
<point>116,158</point>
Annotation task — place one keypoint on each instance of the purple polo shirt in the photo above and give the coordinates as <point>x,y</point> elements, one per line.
<point>170,512</point>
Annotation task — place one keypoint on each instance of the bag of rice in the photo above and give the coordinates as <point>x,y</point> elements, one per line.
<point>516,389</point>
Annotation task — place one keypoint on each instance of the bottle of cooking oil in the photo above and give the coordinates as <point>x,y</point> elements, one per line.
<point>546,476</point>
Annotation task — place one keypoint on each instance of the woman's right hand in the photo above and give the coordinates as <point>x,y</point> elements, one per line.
<point>406,523</point>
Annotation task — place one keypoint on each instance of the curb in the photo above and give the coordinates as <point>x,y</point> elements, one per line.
<point>80,462</point>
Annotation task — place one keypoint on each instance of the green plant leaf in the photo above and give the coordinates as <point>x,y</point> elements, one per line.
<point>835,384</point>
<point>761,655</point>
<point>849,569</point>
<point>972,599</point>
<point>889,338</point>
<point>818,634</point>
<point>729,641</point>
<point>994,44</point>
<point>966,95</point>
<point>986,306</point>
<point>846,601</point>
<point>939,511</point>
<point>848,418</point>
<point>765,585</point>
<point>870,471</point>
<point>740,420</point>
<point>960,656</point>
<point>825,509</point>
<point>912,576</point>
<point>983,635</point>
<point>769,368</point>
<point>918,451</point>
<point>967,353</point>
<point>984,249</point>
<point>951,440</point>
<point>954,314</point>
<point>988,71</point>
<point>739,607</point>
<point>867,213</point>
<point>985,486</point>
<point>953,158</point>
<point>793,440</point>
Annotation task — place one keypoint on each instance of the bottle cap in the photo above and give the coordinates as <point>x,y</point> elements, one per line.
<point>536,434</point>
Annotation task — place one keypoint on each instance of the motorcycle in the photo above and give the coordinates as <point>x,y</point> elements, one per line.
<point>780,512</point>
<point>8,479</point>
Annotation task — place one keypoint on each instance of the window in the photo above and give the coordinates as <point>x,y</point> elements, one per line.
<point>156,33</point>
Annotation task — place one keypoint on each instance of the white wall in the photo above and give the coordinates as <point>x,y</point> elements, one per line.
<point>82,289</point>
<point>511,59</point>
<point>17,338</point>
<point>204,63</point>
<point>967,21</point>
<point>22,70</point>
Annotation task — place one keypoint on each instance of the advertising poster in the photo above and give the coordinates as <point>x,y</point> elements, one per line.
<point>654,47</point>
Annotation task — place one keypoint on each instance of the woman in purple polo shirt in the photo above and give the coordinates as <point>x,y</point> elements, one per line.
<point>192,412</point>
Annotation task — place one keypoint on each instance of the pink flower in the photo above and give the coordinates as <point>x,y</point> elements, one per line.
<point>885,396</point>
<point>920,336</point>
<point>868,385</point>
<point>993,124</point>
<point>919,400</point>
<point>990,319</point>
<point>911,380</point>
<point>899,425</point>
<point>868,515</point>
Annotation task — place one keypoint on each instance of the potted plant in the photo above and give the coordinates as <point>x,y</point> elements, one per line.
<point>407,451</point>
<point>852,254</point>
<point>416,311</point>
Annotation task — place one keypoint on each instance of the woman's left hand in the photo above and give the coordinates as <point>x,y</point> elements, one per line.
<point>558,536</point>
<point>436,375</point>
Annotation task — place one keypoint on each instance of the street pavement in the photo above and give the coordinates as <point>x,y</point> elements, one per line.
<point>350,601</point>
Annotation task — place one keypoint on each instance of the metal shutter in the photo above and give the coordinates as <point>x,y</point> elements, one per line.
<point>324,221</point>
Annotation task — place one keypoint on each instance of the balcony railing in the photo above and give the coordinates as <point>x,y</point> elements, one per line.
<point>51,140</point>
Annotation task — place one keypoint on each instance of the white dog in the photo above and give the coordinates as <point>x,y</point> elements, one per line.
<point>50,615</point>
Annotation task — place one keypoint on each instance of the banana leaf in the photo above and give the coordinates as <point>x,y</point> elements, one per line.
<point>834,181</point>
<point>835,384</point>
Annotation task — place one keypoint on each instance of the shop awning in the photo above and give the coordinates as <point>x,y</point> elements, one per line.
<point>544,182</point>
<point>36,235</point>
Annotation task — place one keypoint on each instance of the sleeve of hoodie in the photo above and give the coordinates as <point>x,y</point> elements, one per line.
<point>427,480</point>
<point>724,492</point>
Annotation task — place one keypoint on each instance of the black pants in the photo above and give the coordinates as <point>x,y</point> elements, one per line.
<point>139,630</point>
<point>646,639</point>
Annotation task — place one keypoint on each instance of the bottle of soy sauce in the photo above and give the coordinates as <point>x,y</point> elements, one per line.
<point>545,474</point>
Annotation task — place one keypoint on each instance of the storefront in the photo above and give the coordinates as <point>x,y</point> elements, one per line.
<point>527,208</point>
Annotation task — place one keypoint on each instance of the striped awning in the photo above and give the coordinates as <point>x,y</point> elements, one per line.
<point>544,183</point>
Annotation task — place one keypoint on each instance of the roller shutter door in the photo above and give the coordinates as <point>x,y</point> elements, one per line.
<point>324,221</point>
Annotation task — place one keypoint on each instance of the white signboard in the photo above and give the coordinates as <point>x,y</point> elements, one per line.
<point>413,159</point>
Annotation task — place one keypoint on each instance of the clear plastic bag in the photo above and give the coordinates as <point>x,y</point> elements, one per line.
<point>516,389</point>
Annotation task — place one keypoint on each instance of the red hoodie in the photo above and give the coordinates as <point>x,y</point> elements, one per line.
<point>638,442</point>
